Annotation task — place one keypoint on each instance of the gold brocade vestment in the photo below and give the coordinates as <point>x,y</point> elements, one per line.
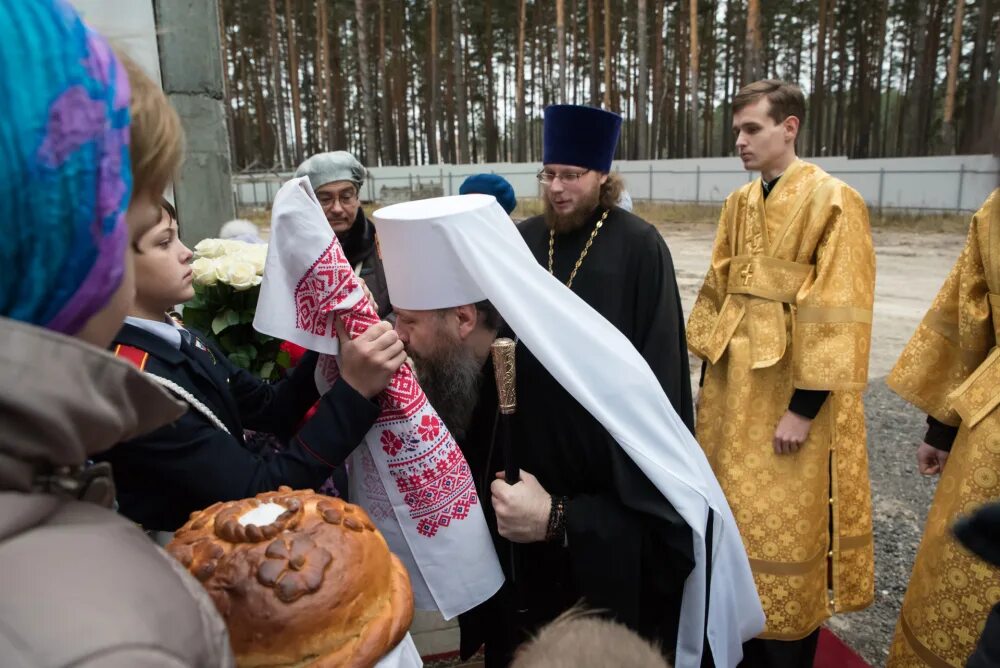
<point>950,369</point>
<point>787,304</point>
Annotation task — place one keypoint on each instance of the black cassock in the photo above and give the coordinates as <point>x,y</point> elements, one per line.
<point>627,277</point>
<point>627,551</point>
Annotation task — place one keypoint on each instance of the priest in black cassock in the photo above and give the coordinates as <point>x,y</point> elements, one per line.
<point>616,506</point>
<point>615,261</point>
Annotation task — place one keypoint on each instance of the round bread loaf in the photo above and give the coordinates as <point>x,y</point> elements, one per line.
<point>301,579</point>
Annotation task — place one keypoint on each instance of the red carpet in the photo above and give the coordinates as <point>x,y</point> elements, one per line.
<point>832,652</point>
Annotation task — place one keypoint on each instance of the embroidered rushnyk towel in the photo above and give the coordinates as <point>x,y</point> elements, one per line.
<point>409,474</point>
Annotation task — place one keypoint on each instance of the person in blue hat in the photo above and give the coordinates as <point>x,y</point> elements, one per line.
<point>491,184</point>
<point>615,261</point>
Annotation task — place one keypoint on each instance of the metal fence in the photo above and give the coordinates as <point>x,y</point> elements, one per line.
<point>936,188</point>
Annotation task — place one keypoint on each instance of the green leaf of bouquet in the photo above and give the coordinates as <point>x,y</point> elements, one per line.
<point>229,341</point>
<point>196,317</point>
<point>283,359</point>
<point>219,323</point>
<point>267,370</point>
<point>240,360</point>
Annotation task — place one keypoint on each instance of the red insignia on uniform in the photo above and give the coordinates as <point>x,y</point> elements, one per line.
<point>132,354</point>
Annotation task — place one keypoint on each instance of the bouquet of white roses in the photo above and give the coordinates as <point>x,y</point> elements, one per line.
<point>227,276</point>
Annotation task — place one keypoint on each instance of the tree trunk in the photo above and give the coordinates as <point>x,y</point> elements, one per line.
<point>277,86</point>
<point>816,122</point>
<point>641,92</point>
<point>489,95</point>
<point>607,54</point>
<point>977,116</point>
<point>670,91</point>
<point>448,121</point>
<point>536,83</point>
<point>293,79</point>
<point>993,98</point>
<point>322,75</point>
<point>367,116</point>
<point>904,99</point>
<point>695,116</point>
<point>434,99</point>
<point>507,143</point>
<point>884,126</point>
<point>337,133</point>
<point>948,119</point>
<point>753,70</point>
<point>389,154</point>
<point>882,27</point>
<point>560,96</point>
<point>658,56</point>
<point>919,90</point>
<point>725,142</point>
<point>227,92</point>
<point>708,115</point>
<point>573,95</point>
<point>401,78</point>
<point>595,86</point>
<point>521,144</point>
<point>265,136</point>
<point>838,127</point>
<point>462,109</point>
<point>683,69</point>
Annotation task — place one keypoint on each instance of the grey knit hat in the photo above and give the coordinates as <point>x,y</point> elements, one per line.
<point>324,168</point>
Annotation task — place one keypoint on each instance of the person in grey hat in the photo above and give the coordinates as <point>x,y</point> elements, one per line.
<point>336,178</point>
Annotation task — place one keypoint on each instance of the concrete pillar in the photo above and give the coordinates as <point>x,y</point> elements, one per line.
<point>191,71</point>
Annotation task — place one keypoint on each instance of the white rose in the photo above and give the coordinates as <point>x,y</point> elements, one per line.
<point>238,273</point>
<point>204,271</point>
<point>210,248</point>
<point>235,247</point>
<point>257,256</point>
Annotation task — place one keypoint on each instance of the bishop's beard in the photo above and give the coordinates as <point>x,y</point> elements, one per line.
<point>561,223</point>
<point>450,377</point>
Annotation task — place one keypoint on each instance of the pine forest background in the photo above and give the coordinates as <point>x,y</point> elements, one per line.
<point>406,82</point>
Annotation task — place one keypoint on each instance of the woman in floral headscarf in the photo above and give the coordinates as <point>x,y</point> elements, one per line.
<point>81,585</point>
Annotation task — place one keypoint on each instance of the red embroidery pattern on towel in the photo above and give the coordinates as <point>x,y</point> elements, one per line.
<point>319,291</point>
<point>423,459</point>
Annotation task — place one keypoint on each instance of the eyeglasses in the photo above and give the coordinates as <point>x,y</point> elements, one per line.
<point>546,178</point>
<point>327,200</point>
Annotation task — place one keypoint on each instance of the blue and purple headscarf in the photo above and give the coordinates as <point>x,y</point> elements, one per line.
<point>65,175</point>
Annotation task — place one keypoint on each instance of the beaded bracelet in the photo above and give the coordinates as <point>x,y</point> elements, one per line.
<point>556,529</point>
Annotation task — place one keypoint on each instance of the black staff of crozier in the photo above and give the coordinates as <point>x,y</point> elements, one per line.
<point>504,371</point>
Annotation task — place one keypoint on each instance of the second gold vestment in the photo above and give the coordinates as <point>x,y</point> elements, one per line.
<point>786,305</point>
<point>950,369</point>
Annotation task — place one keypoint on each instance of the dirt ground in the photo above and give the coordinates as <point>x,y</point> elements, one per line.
<point>912,262</point>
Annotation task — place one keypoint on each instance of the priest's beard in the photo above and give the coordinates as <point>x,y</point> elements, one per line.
<point>450,377</point>
<point>561,223</point>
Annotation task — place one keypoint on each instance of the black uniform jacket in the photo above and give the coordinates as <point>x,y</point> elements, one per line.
<point>164,476</point>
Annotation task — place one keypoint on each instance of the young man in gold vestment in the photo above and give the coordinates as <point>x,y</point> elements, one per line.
<point>950,369</point>
<point>783,325</point>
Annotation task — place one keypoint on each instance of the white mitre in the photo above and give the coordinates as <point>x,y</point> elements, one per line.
<point>421,268</point>
<point>450,251</point>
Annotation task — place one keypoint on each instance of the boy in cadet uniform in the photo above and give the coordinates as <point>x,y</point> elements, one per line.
<point>202,458</point>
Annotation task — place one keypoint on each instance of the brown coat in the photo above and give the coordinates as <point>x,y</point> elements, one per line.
<point>81,585</point>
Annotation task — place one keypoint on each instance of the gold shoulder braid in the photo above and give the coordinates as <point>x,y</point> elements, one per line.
<point>586,248</point>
